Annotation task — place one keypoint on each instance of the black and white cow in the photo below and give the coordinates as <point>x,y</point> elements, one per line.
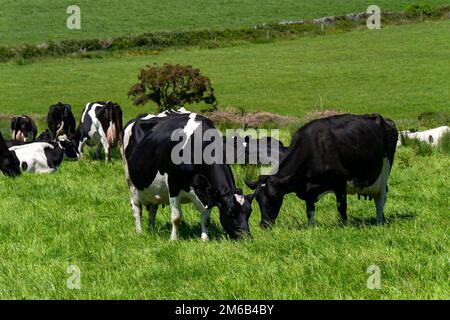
<point>346,154</point>
<point>23,128</point>
<point>44,157</point>
<point>9,163</point>
<point>155,179</point>
<point>60,120</point>
<point>101,125</point>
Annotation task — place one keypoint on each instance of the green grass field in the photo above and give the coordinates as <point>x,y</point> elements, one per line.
<point>37,21</point>
<point>400,72</point>
<point>81,215</point>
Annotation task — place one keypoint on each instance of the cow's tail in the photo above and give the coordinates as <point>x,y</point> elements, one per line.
<point>115,129</point>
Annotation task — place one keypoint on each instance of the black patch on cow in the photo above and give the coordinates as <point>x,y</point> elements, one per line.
<point>54,155</point>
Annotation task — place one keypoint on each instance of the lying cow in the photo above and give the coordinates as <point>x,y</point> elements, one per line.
<point>432,136</point>
<point>101,125</point>
<point>23,128</point>
<point>154,178</point>
<point>60,120</point>
<point>9,163</point>
<point>44,157</point>
<point>346,154</point>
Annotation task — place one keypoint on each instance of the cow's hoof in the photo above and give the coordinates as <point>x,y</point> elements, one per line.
<point>205,237</point>
<point>345,222</point>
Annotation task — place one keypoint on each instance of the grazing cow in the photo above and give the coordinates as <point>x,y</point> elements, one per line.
<point>9,163</point>
<point>155,179</point>
<point>432,136</point>
<point>23,128</point>
<point>44,157</point>
<point>101,124</point>
<point>60,120</point>
<point>345,154</point>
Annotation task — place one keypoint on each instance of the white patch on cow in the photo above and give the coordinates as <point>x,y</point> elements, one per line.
<point>190,127</point>
<point>377,187</point>
<point>240,199</point>
<point>19,136</point>
<point>96,130</point>
<point>182,110</point>
<point>33,155</point>
<point>157,192</point>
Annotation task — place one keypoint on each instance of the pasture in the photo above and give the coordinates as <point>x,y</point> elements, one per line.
<point>81,215</point>
<point>23,21</point>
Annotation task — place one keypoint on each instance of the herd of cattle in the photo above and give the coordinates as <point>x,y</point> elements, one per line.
<point>345,154</point>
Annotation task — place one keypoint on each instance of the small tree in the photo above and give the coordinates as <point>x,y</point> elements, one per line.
<point>172,86</point>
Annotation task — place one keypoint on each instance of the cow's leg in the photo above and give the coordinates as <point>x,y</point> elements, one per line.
<point>205,220</point>
<point>380,201</point>
<point>341,199</point>
<point>107,150</point>
<point>310,210</point>
<point>152,209</point>
<point>136,206</point>
<point>81,146</point>
<point>175,206</point>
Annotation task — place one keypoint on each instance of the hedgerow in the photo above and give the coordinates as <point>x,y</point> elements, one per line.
<point>217,38</point>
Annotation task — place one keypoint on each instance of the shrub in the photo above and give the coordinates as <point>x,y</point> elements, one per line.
<point>418,10</point>
<point>172,85</point>
<point>6,54</point>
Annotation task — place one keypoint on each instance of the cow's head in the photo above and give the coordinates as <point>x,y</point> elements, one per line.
<point>234,207</point>
<point>70,148</point>
<point>269,193</point>
<point>9,163</point>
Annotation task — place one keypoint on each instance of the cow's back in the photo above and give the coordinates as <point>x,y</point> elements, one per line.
<point>349,146</point>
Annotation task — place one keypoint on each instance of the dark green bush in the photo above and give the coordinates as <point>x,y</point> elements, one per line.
<point>172,86</point>
<point>6,54</point>
<point>419,10</point>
